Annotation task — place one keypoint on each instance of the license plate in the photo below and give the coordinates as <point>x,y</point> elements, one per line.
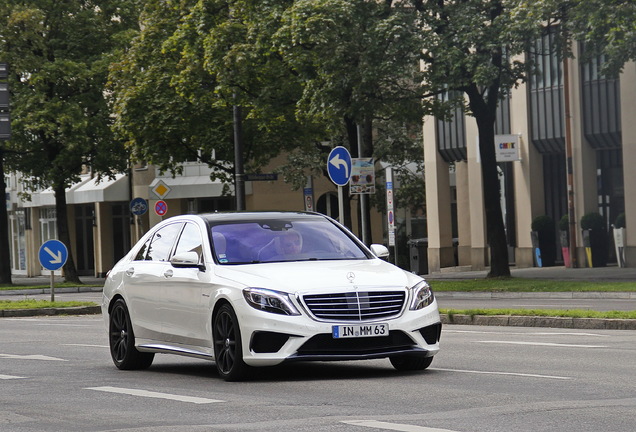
<point>359,330</point>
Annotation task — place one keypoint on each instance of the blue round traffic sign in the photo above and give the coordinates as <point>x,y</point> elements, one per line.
<point>339,166</point>
<point>53,255</point>
<point>138,206</point>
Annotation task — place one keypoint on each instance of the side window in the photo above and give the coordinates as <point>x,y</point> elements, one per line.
<point>161,243</point>
<point>141,255</point>
<point>190,241</point>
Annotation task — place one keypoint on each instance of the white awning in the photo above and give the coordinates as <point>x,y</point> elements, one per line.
<point>46,197</point>
<point>87,190</point>
<point>106,190</point>
<point>187,187</point>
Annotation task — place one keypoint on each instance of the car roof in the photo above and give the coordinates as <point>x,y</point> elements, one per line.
<point>222,217</point>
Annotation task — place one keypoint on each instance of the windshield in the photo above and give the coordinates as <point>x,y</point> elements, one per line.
<point>282,240</point>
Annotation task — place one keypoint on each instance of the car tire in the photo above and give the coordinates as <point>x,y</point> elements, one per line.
<point>410,363</point>
<point>122,340</point>
<point>228,351</point>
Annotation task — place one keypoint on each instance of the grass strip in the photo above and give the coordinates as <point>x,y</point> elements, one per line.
<point>5,287</point>
<point>567,313</point>
<point>530,285</point>
<point>40,304</point>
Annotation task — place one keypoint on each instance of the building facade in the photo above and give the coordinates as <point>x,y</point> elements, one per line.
<point>601,112</point>
<point>103,225</point>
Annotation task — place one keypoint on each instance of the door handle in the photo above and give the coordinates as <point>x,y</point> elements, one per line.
<point>168,273</point>
<point>130,271</point>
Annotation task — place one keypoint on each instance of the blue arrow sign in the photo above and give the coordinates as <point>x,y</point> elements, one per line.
<point>53,255</point>
<point>339,166</point>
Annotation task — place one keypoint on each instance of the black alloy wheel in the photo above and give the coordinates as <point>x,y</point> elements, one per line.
<point>228,352</point>
<point>122,340</point>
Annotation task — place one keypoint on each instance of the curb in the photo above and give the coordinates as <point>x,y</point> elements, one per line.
<point>79,310</point>
<point>539,321</point>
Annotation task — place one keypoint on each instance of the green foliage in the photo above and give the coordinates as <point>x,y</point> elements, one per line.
<point>40,304</point>
<point>607,28</point>
<point>58,54</point>
<point>593,221</point>
<point>564,223</point>
<point>567,313</point>
<point>620,221</point>
<point>543,224</point>
<point>190,64</point>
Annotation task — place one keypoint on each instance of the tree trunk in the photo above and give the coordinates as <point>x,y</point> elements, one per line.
<point>70,272</point>
<point>495,230</point>
<point>5,261</point>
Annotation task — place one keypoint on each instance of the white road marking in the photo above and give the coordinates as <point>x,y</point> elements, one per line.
<point>8,377</point>
<point>547,344</point>
<point>151,394</point>
<point>30,357</point>
<point>526,375</point>
<point>393,426</point>
<point>525,334</point>
<point>87,345</point>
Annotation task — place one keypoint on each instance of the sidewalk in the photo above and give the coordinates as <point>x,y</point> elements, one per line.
<point>614,274</point>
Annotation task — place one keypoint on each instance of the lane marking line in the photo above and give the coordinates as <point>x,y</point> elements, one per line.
<point>393,426</point>
<point>156,395</point>
<point>9,377</point>
<point>30,357</point>
<point>525,334</point>
<point>547,344</point>
<point>87,345</point>
<point>525,375</point>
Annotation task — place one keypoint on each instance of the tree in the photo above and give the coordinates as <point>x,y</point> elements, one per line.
<point>606,27</point>
<point>357,61</point>
<point>190,64</point>
<point>475,48</point>
<point>59,52</point>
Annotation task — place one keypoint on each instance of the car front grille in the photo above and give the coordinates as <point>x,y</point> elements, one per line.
<point>356,306</point>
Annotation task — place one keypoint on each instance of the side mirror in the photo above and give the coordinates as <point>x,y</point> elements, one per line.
<point>186,260</point>
<point>380,251</point>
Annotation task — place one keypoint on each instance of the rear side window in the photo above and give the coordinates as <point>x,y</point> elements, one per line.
<point>162,241</point>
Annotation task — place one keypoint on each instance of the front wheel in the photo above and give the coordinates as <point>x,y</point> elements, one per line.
<point>410,363</point>
<point>228,351</point>
<point>122,340</point>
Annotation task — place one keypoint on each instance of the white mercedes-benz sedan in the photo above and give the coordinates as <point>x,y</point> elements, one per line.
<point>258,289</point>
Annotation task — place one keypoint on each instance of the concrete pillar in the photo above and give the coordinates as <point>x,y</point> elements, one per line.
<point>478,240</point>
<point>464,251</point>
<point>628,127</point>
<point>438,208</point>
<point>584,161</point>
<point>528,178</point>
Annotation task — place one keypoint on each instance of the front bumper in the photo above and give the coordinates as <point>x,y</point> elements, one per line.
<point>269,339</point>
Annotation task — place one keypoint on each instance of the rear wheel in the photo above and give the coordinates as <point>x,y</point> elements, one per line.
<point>228,351</point>
<point>122,340</point>
<point>410,363</point>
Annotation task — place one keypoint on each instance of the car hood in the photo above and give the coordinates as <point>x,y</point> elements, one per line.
<point>319,275</point>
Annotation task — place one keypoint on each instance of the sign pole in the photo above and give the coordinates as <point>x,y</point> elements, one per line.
<point>340,205</point>
<point>52,286</point>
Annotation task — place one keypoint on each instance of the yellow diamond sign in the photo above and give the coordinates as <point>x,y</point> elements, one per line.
<point>161,189</point>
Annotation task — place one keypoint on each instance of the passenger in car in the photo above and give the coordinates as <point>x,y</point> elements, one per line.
<point>289,242</point>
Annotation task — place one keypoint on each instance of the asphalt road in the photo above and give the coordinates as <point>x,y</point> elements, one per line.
<point>56,375</point>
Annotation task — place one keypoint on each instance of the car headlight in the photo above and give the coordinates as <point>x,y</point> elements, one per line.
<point>421,296</point>
<point>270,301</point>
